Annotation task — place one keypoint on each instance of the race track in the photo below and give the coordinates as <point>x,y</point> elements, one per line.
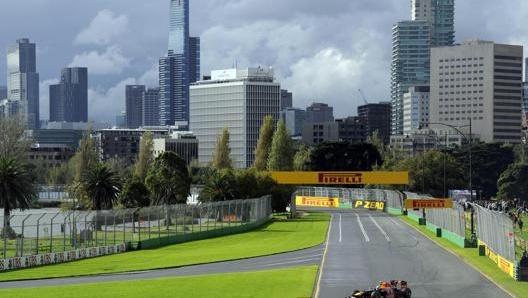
<point>365,247</point>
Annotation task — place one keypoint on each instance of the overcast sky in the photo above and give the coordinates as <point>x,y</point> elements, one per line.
<point>322,51</point>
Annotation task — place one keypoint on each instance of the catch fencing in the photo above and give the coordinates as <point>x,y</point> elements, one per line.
<point>40,233</point>
<point>495,230</point>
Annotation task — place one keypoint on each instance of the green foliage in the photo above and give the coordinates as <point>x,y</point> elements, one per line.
<point>61,175</point>
<point>376,140</point>
<point>301,159</point>
<point>281,153</point>
<point>17,187</point>
<point>263,148</point>
<point>168,180</point>
<point>14,143</point>
<point>134,194</point>
<point>344,156</point>
<point>512,182</point>
<point>221,159</point>
<point>220,186</point>
<point>83,160</point>
<point>145,156</point>
<point>488,162</point>
<point>121,166</point>
<point>426,173</point>
<point>101,186</point>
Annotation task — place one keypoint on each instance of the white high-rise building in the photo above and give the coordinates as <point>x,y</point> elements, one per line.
<point>481,81</point>
<point>415,109</point>
<point>236,99</point>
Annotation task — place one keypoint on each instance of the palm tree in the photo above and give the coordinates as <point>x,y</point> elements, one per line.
<point>102,186</point>
<point>219,187</point>
<point>17,190</point>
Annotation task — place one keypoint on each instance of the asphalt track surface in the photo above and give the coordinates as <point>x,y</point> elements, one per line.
<point>363,248</point>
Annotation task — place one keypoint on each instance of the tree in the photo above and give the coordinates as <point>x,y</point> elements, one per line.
<point>301,159</point>
<point>488,161</point>
<point>221,159</point>
<point>281,153</point>
<point>145,156</point>
<point>13,140</point>
<point>219,187</point>
<point>83,160</point>
<point>168,180</point>
<point>101,186</point>
<point>262,150</point>
<point>376,140</point>
<point>135,193</point>
<point>17,189</point>
<point>512,182</point>
<point>344,156</point>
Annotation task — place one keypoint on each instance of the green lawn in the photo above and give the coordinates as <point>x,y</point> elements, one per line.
<point>281,235</point>
<point>483,264</point>
<point>286,283</point>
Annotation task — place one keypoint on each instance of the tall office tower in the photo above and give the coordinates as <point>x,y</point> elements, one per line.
<point>179,68</point>
<point>294,119</point>
<point>69,98</point>
<point>431,24</point>
<point>416,109</point>
<point>319,112</point>
<point>525,96</point>
<point>23,82</point>
<point>134,105</point>
<point>3,92</point>
<point>286,99</point>
<point>481,81</point>
<point>236,99</point>
<point>151,107</point>
<point>377,117</point>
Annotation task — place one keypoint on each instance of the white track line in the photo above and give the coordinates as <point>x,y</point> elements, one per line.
<point>320,275</point>
<point>396,222</point>
<point>379,228</point>
<point>340,229</point>
<point>362,228</point>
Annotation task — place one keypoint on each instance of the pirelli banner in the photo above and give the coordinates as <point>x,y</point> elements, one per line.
<point>340,178</point>
<point>316,202</point>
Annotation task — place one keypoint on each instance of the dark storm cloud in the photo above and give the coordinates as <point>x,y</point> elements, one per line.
<point>320,50</point>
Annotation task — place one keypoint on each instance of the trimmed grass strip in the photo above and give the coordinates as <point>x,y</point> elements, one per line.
<point>285,283</point>
<point>282,235</point>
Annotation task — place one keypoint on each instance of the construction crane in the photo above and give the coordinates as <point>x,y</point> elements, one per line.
<point>363,96</point>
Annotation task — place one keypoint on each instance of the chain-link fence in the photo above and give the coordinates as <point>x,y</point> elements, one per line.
<point>495,229</point>
<point>38,233</point>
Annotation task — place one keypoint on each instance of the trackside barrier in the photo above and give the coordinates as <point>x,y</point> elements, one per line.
<point>43,233</point>
<point>59,257</point>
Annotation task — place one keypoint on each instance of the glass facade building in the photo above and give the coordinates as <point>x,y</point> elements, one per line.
<point>179,68</point>
<point>431,24</point>
<point>23,82</point>
<point>69,98</point>
<point>134,105</point>
<point>151,107</point>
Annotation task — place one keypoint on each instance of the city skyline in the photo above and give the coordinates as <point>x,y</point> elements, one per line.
<point>321,53</point>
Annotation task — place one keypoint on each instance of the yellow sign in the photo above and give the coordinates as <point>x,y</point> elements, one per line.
<point>341,178</point>
<point>369,205</point>
<point>428,203</point>
<point>316,202</point>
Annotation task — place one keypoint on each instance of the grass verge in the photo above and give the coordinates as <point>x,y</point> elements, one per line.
<point>285,283</point>
<point>483,264</point>
<point>281,235</point>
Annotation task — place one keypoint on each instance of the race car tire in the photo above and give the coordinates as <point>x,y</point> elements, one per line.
<point>375,294</point>
<point>407,293</point>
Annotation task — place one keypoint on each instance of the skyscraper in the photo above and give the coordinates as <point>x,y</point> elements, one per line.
<point>151,107</point>
<point>179,68</point>
<point>69,98</point>
<point>134,105</point>
<point>3,92</point>
<point>431,24</point>
<point>23,82</point>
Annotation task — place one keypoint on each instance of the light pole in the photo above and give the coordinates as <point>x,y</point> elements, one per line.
<point>469,140</point>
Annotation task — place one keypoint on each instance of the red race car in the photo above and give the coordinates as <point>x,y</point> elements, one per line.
<point>385,289</point>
